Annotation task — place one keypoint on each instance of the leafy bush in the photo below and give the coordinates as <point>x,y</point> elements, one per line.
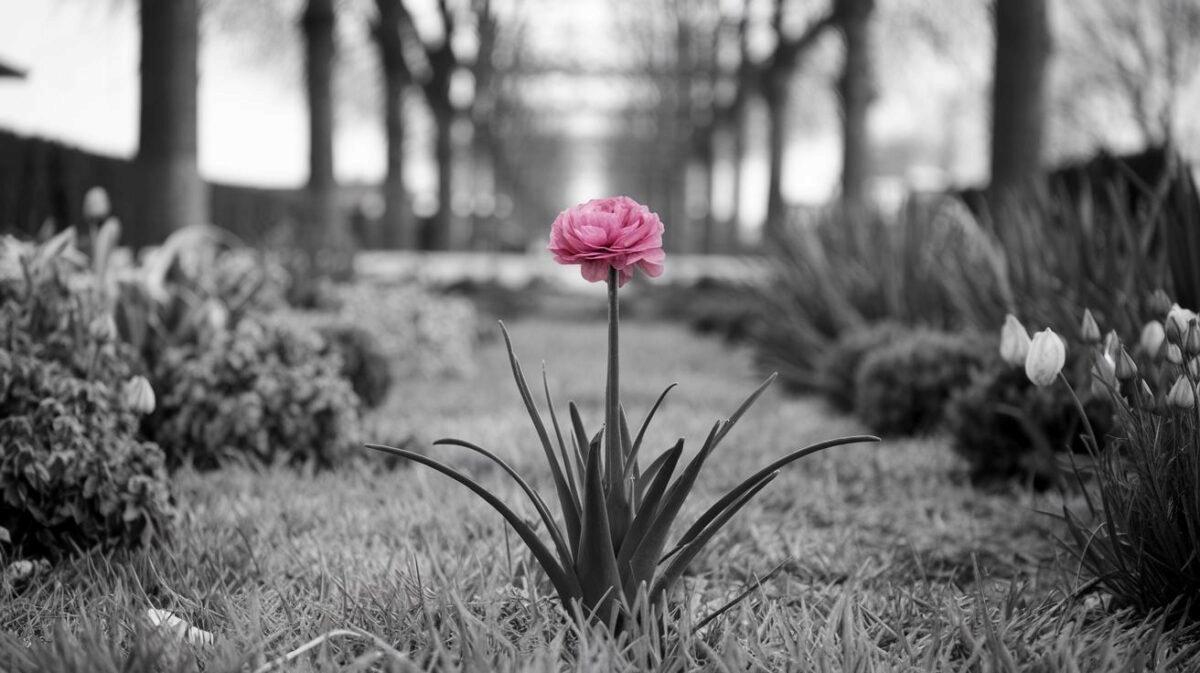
<point>363,363</point>
<point>902,388</point>
<point>260,392</point>
<point>1140,535</point>
<point>839,371</point>
<point>72,473</point>
<point>934,266</point>
<point>422,334</point>
<point>1004,426</point>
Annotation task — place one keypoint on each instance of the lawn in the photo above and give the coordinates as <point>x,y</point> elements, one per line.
<point>889,559</point>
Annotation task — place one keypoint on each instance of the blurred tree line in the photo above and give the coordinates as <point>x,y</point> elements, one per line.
<point>672,92</point>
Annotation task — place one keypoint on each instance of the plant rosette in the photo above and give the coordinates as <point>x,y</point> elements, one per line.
<point>609,556</point>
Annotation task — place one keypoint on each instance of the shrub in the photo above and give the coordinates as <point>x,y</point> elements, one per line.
<point>839,370</point>
<point>902,388</point>
<point>261,392</point>
<point>1140,535</point>
<point>422,334</point>
<point>1004,426</point>
<point>72,473</point>
<point>363,363</point>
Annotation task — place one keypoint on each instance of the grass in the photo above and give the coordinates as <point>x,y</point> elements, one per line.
<point>890,560</point>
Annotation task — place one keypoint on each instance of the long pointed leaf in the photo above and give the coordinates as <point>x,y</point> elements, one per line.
<point>649,508</point>
<point>753,479</point>
<point>631,466</point>
<point>596,564</point>
<point>745,405</point>
<point>681,561</point>
<point>581,438</point>
<point>645,555</point>
<point>564,580</point>
<point>652,469</point>
<point>572,486</point>
<point>570,513</point>
<point>564,550</point>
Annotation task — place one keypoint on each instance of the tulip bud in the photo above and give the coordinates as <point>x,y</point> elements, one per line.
<point>1178,320</point>
<point>1193,369</point>
<point>1046,357</point>
<point>1191,340</point>
<point>139,396</point>
<point>1112,344</point>
<point>96,205</point>
<point>1182,395</point>
<point>1145,396</point>
<point>1014,341</point>
<point>1104,374</point>
<point>103,328</point>
<point>1089,331</point>
<point>1152,338</point>
<point>1126,367</point>
<point>1174,354</point>
<point>1159,302</point>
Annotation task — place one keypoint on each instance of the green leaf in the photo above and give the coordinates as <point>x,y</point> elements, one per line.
<point>631,466</point>
<point>645,556</point>
<point>581,438</point>
<point>566,502</point>
<point>564,580</point>
<point>745,406</point>
<point>647,477</point>
<point>645,516</point>
<point>564,550</point>
<point>596,564</point>
<point>562,449</point>
<point>753,479</point>
<point>681,561</point>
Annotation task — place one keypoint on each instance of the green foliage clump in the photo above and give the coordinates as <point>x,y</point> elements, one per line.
<point>73,474</point>
<point>364,364</point>
<point>260,393</point>
<point>1006,427</point>
<point>839,370</point>
<point>902,388</point>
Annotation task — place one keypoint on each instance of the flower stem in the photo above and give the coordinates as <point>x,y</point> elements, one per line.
<point>612,437</point>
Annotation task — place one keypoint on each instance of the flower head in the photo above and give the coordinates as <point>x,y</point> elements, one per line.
<point>139,395</point>
<point>616,232</point>
<point>1047,355</point>
<point>1014,341</point>
<point>1181,394</point>
<point>1089,330</point>
<point>96,205</point>
<point>1152,338</point>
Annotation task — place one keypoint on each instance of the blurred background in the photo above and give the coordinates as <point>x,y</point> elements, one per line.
<point>468,124</point>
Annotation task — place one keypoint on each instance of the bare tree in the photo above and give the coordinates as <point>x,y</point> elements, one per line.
<point>856,89</point>
<point>390,32</point>
<point>172,194</point>
<point>324,238</point>
<point>1018,94</point>
<point>772,78</point>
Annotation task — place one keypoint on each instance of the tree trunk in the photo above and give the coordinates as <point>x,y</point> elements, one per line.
<point>442,235</point>
<point>399,227</point>
<point>733,229</point>
<point>856,90</point>
<point>775,97</point>
<point>324,236</point>
<point>172,195</point>
<point>1018,95</point>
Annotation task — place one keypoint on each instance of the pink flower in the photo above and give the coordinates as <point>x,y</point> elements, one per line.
<point>616,232</point>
